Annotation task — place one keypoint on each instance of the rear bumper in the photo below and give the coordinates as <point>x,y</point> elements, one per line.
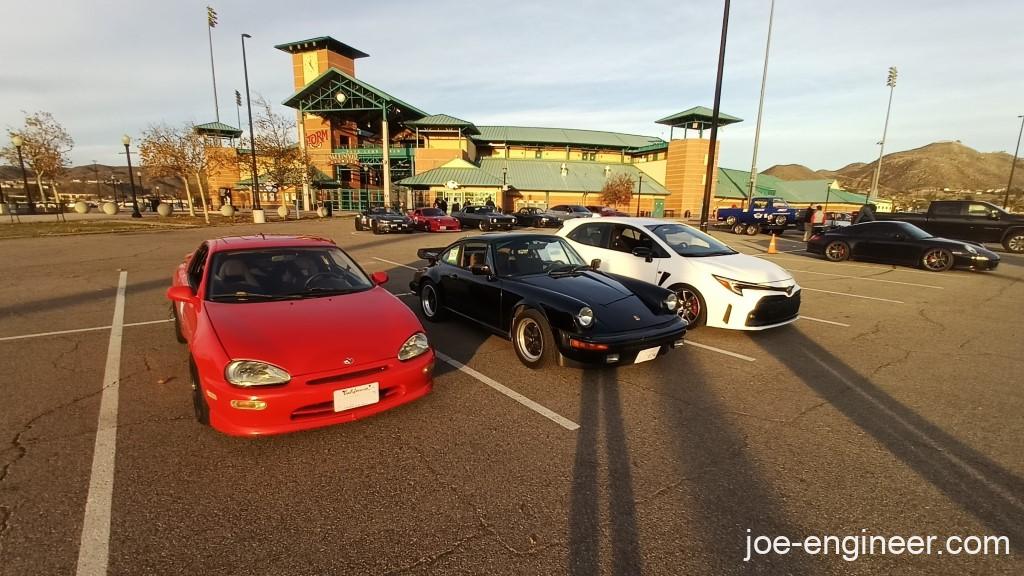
<point>626,345</point>
<point>301,405</point>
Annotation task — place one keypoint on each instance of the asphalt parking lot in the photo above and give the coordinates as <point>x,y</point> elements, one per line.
<point>893,406</point>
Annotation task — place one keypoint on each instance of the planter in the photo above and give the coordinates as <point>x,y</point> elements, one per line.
<point>81,207</point>
<point>321,212</point>
<point>282,211</point>
<point>164,209</point>
<point>227,210</point>
<point>259,216</point>
<point>109,208</point>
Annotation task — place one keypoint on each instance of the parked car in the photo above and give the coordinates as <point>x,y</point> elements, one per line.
<point>901,243</point>
<point>382,220</point>
<point>967,220</point>
<point>485,218</point>
<point>288,333</point>
<point>570,211</point>
<point>433,220</point>
<point>537,217</point>
<point>535,290</point>
<point>716,285</point>
<point>767,214</point>
<point>605,211</point>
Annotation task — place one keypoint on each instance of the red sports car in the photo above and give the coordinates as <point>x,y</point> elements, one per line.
<point>433,220</point>
<point>288,333</point>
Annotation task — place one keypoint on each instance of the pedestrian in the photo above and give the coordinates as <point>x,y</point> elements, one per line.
<point>865,214</point>
<point>490,202</point>
<point>444,205</point>
<point>455,206</point>
<point>437,202</point>
<point>808,223</point>
<point>819,218</point>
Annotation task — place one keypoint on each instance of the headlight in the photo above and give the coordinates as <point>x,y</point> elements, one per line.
<point>247,373</point>
<point>416,344</point>
<point>671,302</point>
<point>585,316</point>
<point>970,249</point>
<point>493,220</point>
<point>733,286</point>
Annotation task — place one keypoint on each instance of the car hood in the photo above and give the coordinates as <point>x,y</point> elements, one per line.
<point>744,268</point>
<point>587,287</point>
<point>440,218</point>
<point>394,217</point>
<point>315,334</point>
<point>958,245</point>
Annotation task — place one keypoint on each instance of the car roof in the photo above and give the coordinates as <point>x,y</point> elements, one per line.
<point>621,220</point>
<point>497,236</point>
<point>265,241</point>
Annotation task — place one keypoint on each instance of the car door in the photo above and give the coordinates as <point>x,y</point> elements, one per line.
<point>591,241</point>
<point>448,263</point>
<point>627,240</point>
<point>195,273</point>
<point>947,219</point>
<point>984,223</point>
<point>478,295</point>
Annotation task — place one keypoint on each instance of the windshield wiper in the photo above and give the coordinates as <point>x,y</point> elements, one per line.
<point>245,296</point>
<point>569,269</point>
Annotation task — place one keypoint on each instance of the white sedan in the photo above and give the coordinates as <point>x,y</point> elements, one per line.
<point>716,285</point>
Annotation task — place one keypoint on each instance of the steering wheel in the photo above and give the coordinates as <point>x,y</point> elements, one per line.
<point>315,277</point>
<point>554,264</point>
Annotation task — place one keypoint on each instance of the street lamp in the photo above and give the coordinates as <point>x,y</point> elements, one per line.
<point>710,175</point>
<point>639,187</point>
<point>891,83</point>
<point>257,208</point>
<point>127,140</point>
<point>17,140</point>
<point>1006,197</point>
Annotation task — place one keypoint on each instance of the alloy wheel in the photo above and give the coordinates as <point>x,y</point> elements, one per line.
<point>938,260</point>
<point>1015,243</point>
<point>689,305</point>
<point>428,299</point>
<point>836,251</point>
<point>530,339</point>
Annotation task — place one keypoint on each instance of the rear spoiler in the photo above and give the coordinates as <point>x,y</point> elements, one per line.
<point>429,254</point>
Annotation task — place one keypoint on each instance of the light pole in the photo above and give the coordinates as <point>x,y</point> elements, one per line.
<point>891,83</point>
<point>127,140</point>
<point>1006,197</point>
<point>705,208</point>
<point>639,186</point>
<point>211,21</point>
<point>257,208</point>
<point>760,105</point>
<point>18,142</point>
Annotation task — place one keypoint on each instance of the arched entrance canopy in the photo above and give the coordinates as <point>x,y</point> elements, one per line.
<point>335,94</point>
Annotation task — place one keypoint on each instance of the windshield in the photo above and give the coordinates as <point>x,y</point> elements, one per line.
<point>432,212</point>
<point>912,231</point>
<point>283,274</point>
<point>524,256</point>
<point>687,241</point>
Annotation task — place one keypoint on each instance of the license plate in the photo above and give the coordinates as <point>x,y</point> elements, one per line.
<point>349,398</point>
<point>643,356</point>
<point>444,227</point>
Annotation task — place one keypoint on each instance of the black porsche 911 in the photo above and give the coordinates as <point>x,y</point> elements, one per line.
<point>900,243</point>
<point>381,220</point>
<point>535,290</point>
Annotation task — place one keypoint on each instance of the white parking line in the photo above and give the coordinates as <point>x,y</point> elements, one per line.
<point>76,330</point>
<point>806,289</point>
<point>834,323</point>
<point>720,351</point>
<point>93,554</point>
<point>395,263</point>
<point>556,418</point>
<point>868,279</point>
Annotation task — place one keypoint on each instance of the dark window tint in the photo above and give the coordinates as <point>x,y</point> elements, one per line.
<point>591,235</point>
<point>946,209</point>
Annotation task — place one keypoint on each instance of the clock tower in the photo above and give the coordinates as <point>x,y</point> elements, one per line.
<point>313,57</point>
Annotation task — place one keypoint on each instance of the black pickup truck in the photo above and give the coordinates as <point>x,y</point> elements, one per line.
<point>967,220</point>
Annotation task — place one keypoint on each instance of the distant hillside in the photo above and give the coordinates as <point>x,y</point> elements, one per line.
<point>793,172</point>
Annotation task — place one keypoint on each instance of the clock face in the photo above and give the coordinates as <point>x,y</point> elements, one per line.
<point>309,67</point>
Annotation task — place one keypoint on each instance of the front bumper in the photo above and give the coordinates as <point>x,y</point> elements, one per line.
<point>625,345</point>
<point>977,262</point>
<point>754,310</point>
<point>498,225</point>
<point>435,226</point>
<point>387,226</point>
<point>307,402</point>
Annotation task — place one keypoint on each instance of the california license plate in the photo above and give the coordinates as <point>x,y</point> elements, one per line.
<point>356,396</point>
<point>643,356</point>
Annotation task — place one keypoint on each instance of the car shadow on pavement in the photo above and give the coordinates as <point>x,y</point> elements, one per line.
<point>977,484</point>
<point>600,404</point>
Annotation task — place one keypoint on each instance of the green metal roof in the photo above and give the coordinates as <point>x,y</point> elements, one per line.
<point>700,114</point>
<point>322,42</point>
<point>563,137</point>
<point>464,176</point>
<point>443,121</point>
<point>218,129</point>
<point>318,96</point>
<point>656,147</point>
<point>735,183</point>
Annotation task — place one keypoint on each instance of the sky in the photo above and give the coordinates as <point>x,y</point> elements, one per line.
<point>106,68</point>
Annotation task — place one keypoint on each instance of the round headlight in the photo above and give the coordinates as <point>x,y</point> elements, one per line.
<point>493,220</point>
<point>247,373</point>
<point>585,316</point>
<point>416,345</point>
<point>672,302</point>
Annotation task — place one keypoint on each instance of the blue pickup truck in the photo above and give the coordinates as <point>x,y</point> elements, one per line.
<point>765,214</point>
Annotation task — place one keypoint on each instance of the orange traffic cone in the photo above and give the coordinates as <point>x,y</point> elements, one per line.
<point>771,246</point>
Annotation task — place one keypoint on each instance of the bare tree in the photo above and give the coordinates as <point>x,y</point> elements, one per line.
<point>172,152</point>
<point>617,190</point>
<point>45,148</point>
<point>279,157</point>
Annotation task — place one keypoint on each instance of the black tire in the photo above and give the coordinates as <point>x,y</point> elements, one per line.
<point>533,340</point>
<point>359,224</point>
<point>373,227</point>
<point>837,251</point>
<point>1014,242</point>
<point>738,228</point>
<point>177,325</point>
<point>752,230</point>
<point>937,260</point>
<point>691,305</point>
<point>484,227</point>
<point>199,406</point>
<point>433,310</point>
<point>780,220</point>
<point>730,221</point>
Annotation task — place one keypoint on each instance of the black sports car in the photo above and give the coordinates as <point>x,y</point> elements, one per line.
<point>537,291</point>
<point>900,243</point>
<point>537,218</point>
<point>381,220</point>
<point>484,218</point>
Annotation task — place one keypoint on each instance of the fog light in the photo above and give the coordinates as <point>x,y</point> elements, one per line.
<point>248,404</point>
<point>429,368</point>
<point>611,358</point>
<point>678,343</point>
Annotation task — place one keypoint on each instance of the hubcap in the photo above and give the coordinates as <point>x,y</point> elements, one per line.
<point>429,300</point>
<point>530,340</point>
<point>1016,243</point>
<point>936,260</point>
<point>689,306</point>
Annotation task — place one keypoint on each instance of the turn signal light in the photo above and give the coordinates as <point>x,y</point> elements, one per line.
<point>678,343</point>
<point>581,345</point>
<point>248,404</point>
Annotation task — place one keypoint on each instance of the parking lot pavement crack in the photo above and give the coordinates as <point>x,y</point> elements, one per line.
<point>431,558</point>
<point>875,329</point>
<point>891,363</point>
<point>924,315</point>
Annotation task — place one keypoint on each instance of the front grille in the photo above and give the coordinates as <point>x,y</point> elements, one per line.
<point>774,309</point>
<point>322,409</point>
<point>347,376</point>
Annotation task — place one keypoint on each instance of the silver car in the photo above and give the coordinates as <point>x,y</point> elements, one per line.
<point>570,211</point>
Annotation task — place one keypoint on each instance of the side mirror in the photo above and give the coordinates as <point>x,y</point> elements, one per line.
<point>484,270</point>
<point>993,215</point>
<point>379,278</point>
<point>643,252</point>
<point>595,263</point>
<point>181,294</point>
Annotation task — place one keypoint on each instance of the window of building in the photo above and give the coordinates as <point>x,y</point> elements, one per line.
<point>538,153</point>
